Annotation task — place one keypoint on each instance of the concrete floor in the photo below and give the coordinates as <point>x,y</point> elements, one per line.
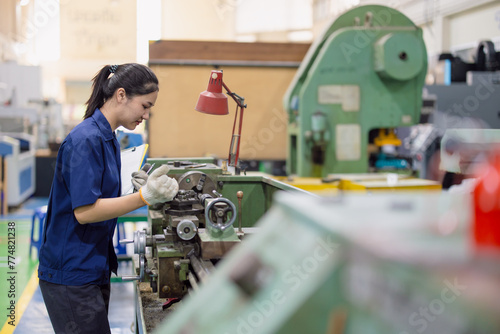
<point>31,314</point>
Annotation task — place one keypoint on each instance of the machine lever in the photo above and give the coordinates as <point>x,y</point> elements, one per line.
<point>142,270</point>
<point>239,195</point>
<point>130,278</point>
<point>196,166</point>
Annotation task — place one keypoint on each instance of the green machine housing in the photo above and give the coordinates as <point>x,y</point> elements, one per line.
<point>366,72</point>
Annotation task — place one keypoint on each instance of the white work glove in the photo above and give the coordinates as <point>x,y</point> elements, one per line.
<point>140,177</point>
<point>159,188</point>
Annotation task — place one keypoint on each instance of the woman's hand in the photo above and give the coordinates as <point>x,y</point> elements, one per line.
<point>159,188</point>
<point>140,177</point>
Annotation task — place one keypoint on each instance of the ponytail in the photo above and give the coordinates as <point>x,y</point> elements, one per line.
<point>97,97</point>
<point>135,79</point>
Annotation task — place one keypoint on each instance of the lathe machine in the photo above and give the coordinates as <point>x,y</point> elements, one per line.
<point>186,237</point>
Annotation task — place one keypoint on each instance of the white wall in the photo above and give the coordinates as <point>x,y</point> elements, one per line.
<point>467,28</point>
<point>198,20</point>
<point>274,20</point>
<point>448,25</point>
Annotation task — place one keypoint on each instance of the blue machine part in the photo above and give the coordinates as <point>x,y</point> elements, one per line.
<point>385,162</point>
<point>5,149</point>
<point>129,139</point>
<point>294,103</point>
<point>18,151</point>
<point>447,72</point>
<point>26,179</point>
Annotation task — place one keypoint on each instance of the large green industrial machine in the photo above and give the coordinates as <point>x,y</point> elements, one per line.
<point>358,82</point>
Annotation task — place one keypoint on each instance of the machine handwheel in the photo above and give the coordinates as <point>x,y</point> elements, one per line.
<point>142,267</point>
<point>139,242</point>
<point>220,213</point>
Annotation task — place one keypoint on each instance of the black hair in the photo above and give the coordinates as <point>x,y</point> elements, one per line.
<point>135,79</point>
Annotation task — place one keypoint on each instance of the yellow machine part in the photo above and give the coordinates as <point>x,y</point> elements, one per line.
<point>313,185</point>
<point>387,137</point>
<point>364,182</point>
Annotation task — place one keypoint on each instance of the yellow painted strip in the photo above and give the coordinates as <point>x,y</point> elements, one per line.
<point>22,303</point>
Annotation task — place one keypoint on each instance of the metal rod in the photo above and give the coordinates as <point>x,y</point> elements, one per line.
<point>239,195</point>
<point>202,268</point>
<point>150,168</point>
<point>192,280</point>
<point>234,149</point>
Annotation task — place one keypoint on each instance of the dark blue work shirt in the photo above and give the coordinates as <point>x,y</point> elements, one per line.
<point>88,168</point>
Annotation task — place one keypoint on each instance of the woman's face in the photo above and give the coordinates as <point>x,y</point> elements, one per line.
<point>136,109</point>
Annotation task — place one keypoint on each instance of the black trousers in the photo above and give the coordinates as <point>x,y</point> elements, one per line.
<point>77,309</point>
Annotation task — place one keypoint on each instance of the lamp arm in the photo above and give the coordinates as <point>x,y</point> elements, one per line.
<point>240,101</point>
<point>234,149</point>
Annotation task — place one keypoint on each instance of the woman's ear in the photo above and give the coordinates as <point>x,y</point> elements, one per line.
<point>121,95</point>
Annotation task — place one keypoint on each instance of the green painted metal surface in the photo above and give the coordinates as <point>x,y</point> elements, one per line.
<point>207,165</point>
<point>228,235</point>
<point>257,190</point>
<point>357,264</point>
<point>365,72</point>
<point>258,194</point>
<point>166,251</point>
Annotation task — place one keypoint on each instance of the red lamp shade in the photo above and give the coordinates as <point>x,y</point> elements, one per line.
<point>213,101</point>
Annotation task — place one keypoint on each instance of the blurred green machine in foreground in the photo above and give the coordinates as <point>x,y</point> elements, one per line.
<point>361,79</point>
<point>354,264</point>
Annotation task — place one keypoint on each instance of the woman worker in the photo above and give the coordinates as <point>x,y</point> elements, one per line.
<point>77,255</point>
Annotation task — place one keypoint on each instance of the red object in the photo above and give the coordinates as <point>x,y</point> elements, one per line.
<point>213,101</point>
<point>169,302</point>
<point>486,198</point>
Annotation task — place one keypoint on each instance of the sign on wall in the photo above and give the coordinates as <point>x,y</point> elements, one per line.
<point>97,29</point>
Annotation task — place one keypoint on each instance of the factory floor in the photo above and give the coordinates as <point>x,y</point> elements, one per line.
<point>30,312</point>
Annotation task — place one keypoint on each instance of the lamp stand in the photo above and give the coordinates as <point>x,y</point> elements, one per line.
<point>234,148</point>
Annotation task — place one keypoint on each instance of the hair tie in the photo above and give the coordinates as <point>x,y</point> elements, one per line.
<point>113,68</point>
